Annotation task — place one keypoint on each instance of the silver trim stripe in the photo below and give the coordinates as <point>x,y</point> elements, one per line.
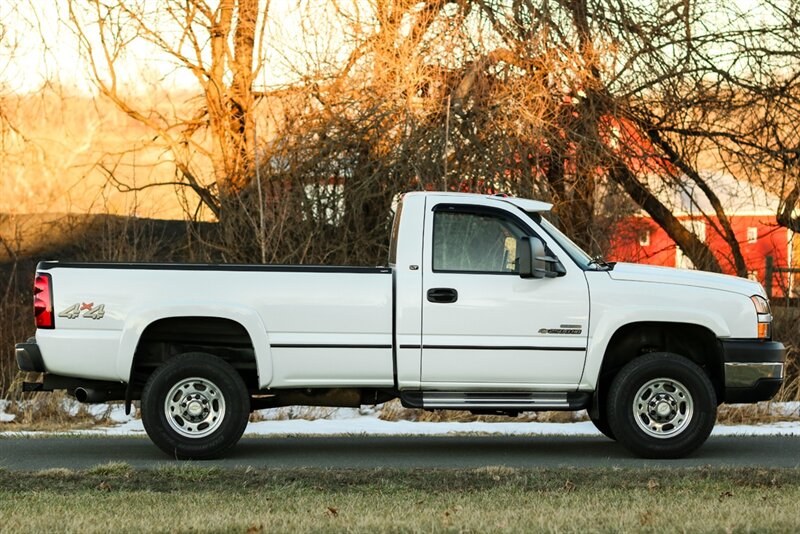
<point>522,401</point>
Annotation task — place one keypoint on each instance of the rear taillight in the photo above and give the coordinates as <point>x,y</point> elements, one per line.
<point>43,302</point>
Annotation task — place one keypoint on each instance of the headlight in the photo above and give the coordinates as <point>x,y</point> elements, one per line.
<point>764,316</point>
<point>761,304</point>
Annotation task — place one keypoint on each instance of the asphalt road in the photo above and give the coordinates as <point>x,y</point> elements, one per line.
<point>21,453</point>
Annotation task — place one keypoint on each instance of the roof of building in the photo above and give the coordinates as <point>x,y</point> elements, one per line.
<point>737,197</point>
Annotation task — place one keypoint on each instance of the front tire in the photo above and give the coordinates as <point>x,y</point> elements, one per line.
<point>601,424</point>
<point>661,405</point>
<point>195,406</point>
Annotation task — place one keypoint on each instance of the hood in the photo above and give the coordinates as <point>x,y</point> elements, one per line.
<point>635,272</point>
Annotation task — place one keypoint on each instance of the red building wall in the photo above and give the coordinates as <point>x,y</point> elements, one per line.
<point>640,240</point>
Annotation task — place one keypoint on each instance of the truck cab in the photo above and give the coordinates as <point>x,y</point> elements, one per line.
<point>466,318</point>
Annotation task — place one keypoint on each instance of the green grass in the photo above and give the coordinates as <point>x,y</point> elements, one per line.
<point>116,497</point>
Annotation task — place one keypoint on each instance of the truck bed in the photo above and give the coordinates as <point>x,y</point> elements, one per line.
<point>315,325</point>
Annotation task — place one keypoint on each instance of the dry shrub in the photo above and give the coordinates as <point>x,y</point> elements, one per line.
<point>16,324</point>
<point>791,386</point>
<point>288,413</point>
<point>750,414</point>
<point>394,411</point>
<point>786,328</point>
<point>52,411</point>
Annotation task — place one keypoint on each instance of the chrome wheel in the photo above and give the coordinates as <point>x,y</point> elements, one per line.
<point>663,408</point>
<point>194,407</point>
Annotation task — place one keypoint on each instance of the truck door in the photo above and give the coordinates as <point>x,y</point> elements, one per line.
<point>482,325</point>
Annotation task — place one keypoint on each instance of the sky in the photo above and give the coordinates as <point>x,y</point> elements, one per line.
<point>295,29</point>
<point>45,47</point>
<point>52,165</point>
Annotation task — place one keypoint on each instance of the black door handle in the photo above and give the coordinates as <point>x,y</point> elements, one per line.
<point>442,295</point>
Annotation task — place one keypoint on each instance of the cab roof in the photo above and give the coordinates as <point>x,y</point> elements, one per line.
<point>524,204</point>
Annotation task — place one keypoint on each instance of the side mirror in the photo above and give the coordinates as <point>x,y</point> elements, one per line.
<point>534,261</point>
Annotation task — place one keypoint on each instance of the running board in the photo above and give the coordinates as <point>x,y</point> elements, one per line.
<point>486,400</point>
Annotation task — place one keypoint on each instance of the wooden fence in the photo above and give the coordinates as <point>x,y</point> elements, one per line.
<point>769,276</point>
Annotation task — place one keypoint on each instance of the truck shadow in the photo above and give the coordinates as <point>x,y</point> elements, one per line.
<point>405,452</point>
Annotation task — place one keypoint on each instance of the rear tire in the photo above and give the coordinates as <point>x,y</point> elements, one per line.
<point>661,405</point>
<point>195,407</point>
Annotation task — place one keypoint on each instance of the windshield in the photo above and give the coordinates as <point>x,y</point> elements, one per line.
<point>575,252</point>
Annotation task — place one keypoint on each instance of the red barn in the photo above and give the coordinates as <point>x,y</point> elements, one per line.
<point>751,212</point>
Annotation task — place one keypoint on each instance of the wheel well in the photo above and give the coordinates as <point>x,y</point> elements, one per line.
<point>166,338</point>
<point>697,343</point>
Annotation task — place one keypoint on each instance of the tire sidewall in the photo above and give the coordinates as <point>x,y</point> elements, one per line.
<point>653,366</point>
<point>232,388</point>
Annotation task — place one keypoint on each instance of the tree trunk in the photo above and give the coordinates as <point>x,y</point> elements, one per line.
<point>691,245</point>
<point>240,102</point>
<point>727,230</point>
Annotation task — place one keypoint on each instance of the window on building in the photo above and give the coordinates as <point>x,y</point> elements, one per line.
<point>752,234</point>
<point>326,203</point>
<point>698,228</point>
<point>644,238</point>
<point>682,261</point>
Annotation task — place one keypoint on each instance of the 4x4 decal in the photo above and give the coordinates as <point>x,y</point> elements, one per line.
<point>84,309</point>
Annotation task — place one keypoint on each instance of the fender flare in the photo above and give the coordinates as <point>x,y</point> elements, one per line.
<point>600,338</point>
<point>141,318</point>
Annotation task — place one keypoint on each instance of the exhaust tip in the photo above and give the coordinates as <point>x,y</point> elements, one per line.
<point>92,395</point>
<point>81,395</point>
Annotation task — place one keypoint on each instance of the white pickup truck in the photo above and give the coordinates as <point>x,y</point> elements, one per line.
<point>485,306</point>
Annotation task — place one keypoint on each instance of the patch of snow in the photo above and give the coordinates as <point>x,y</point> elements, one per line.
<point>354,421</point>
<point>373,426</point>
<point>6,417</point>
<point>786,408</point>
<point>781,428</point>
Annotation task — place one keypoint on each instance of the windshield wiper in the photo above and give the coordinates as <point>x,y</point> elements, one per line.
<point>602,263</point>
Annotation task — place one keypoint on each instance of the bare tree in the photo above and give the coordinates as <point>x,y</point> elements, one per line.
<point>221,45</point>
<point>8,49</point>
<point>579,100</point>
<point>595,138</point>
<point>601,107</point>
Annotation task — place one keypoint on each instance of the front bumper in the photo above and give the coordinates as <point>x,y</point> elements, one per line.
<point>753,369</point>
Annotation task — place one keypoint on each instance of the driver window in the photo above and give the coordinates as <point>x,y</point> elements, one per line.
<point>475,242</point>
